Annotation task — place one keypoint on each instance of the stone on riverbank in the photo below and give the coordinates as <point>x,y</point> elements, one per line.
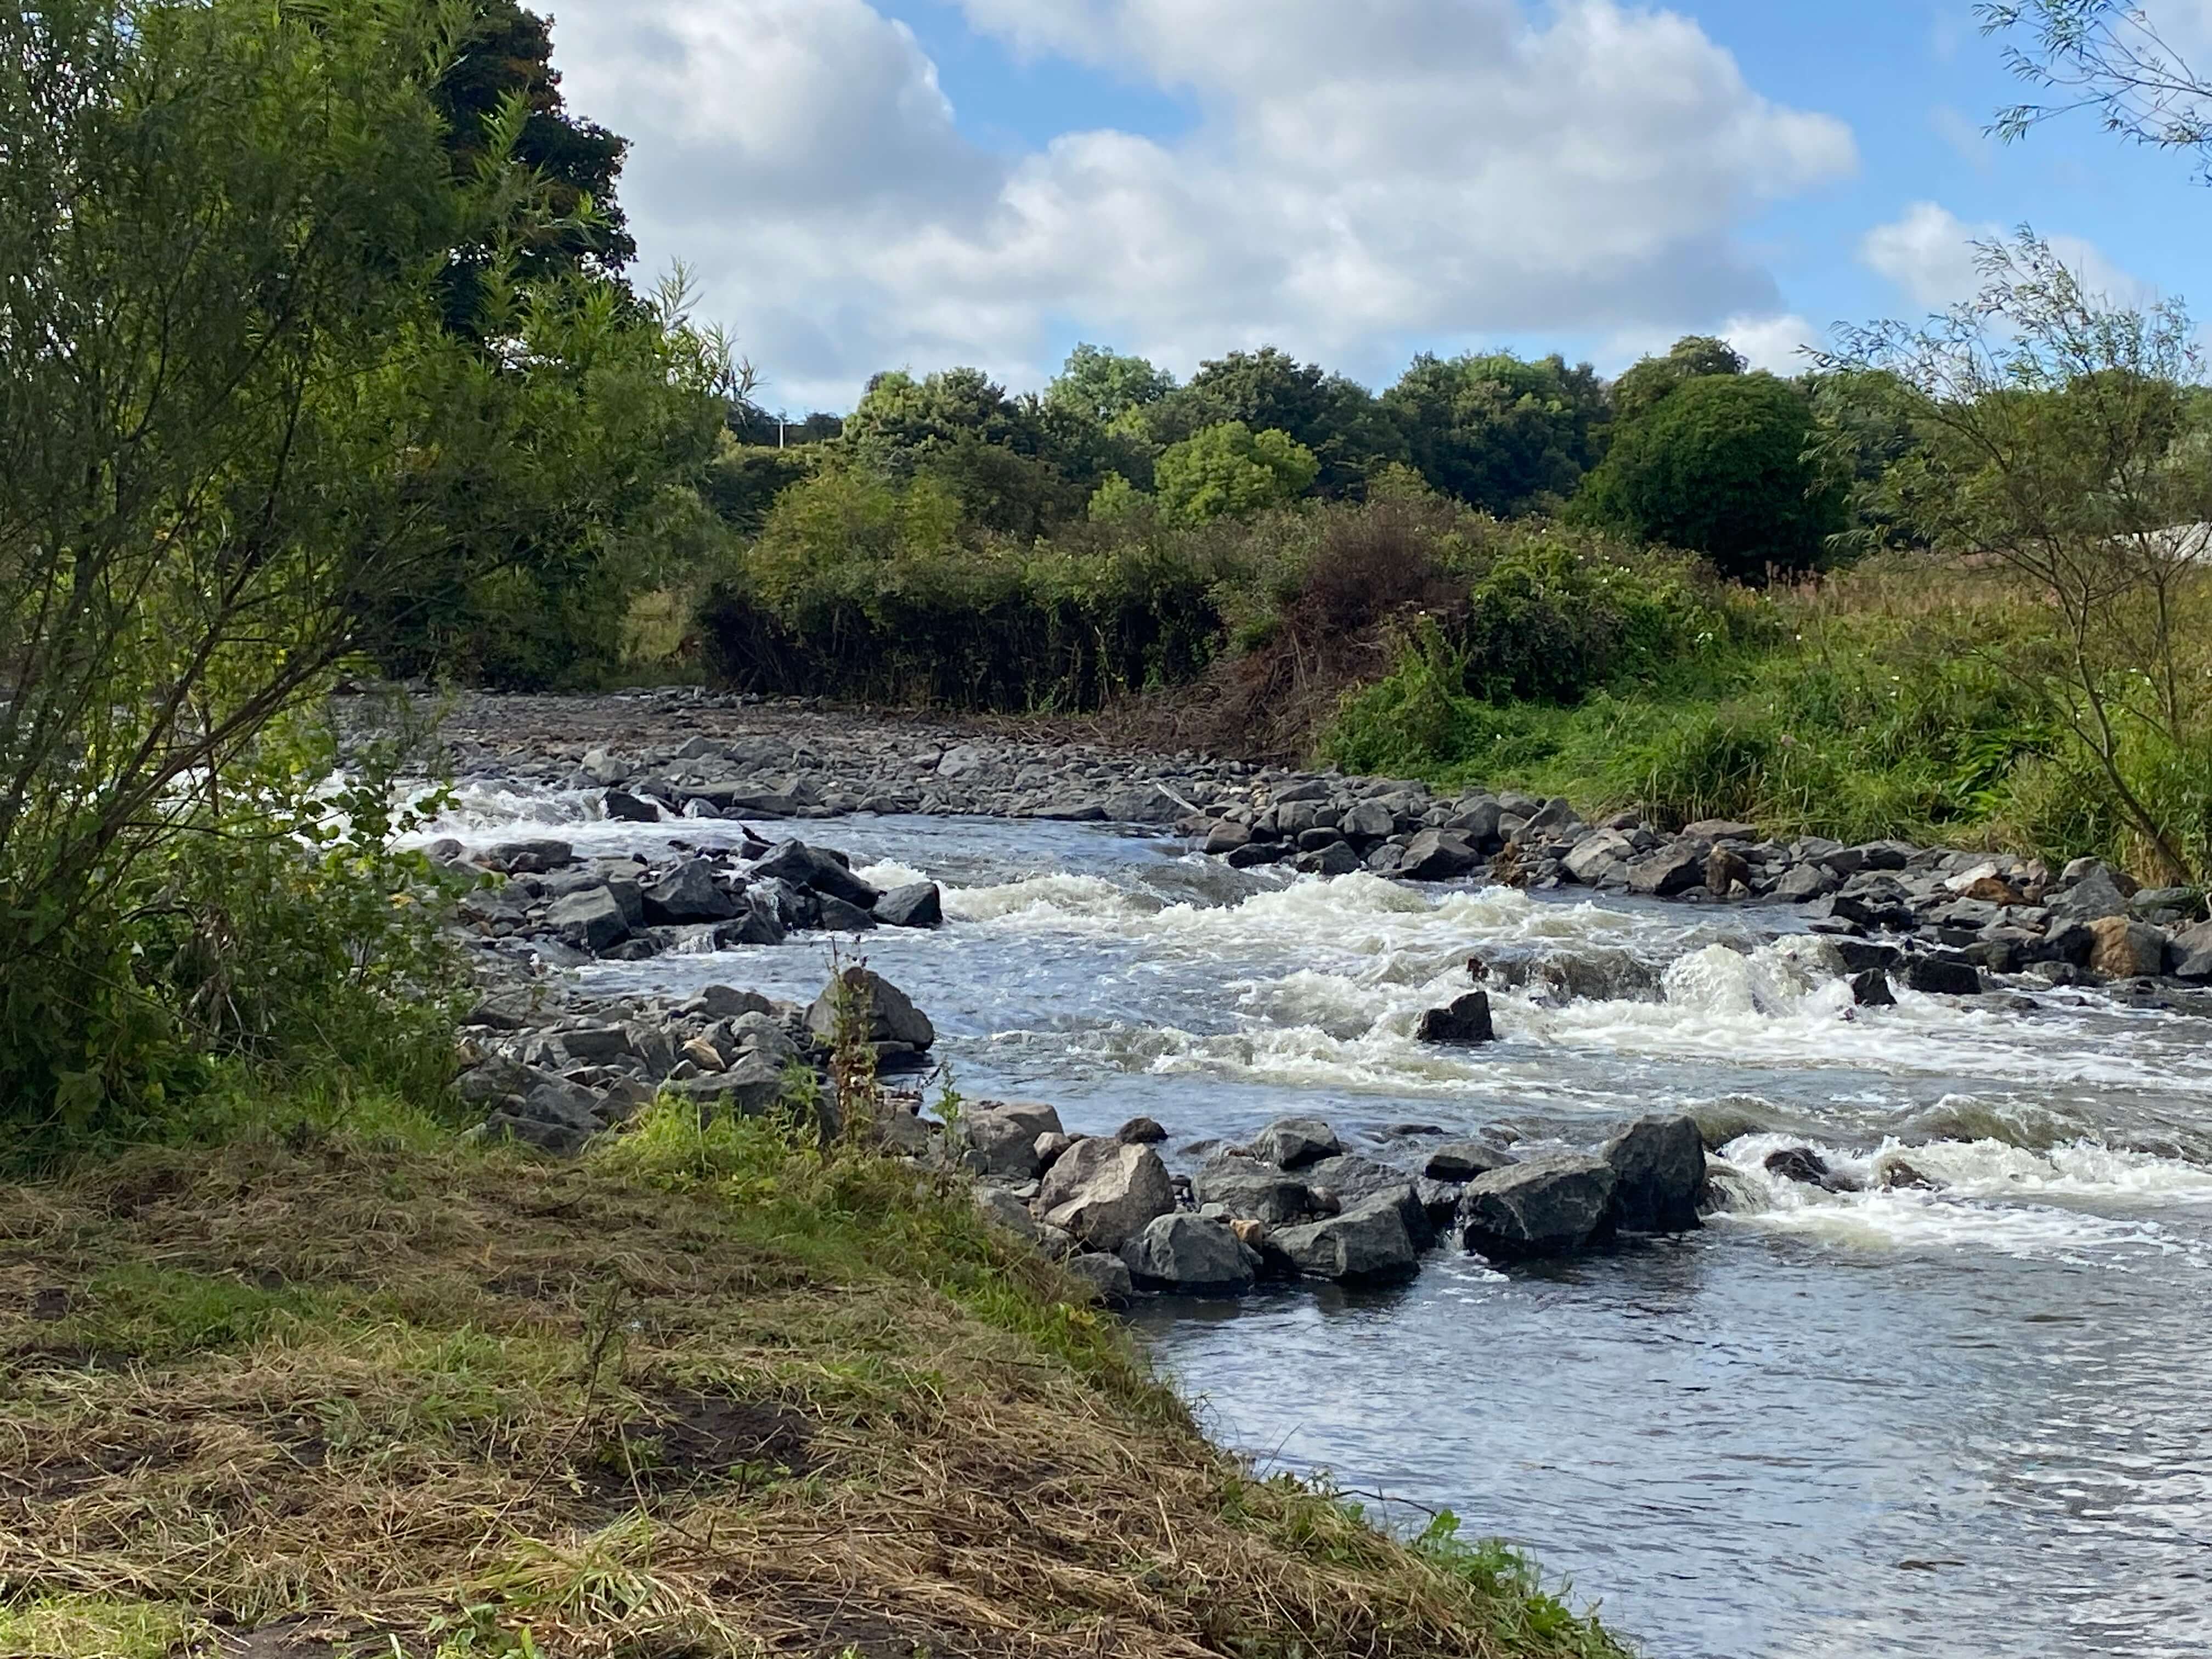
<point>1543,1206</point>
<point>1367,1243</point>
<point>891,1015</point>
<point>1251,1190</point>
<point>2126,949</point>
<point>1187,1254</point>
<point>1104,1193</point>
<point>590,920</point>
<point>1464,1160</point>
<point>1291,1143</point>
<point>1002,1138</point>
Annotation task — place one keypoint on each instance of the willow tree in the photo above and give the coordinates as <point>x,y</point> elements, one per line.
<point>2061,440</point>
<point>235,428</point>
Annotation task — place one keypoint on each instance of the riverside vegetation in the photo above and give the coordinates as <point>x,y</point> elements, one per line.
<point>320,360</point>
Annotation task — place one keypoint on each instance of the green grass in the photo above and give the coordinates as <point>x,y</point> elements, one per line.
<point>712,1389</point>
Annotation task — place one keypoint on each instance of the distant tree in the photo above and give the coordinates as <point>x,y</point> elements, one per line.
<point>1230,470</point>
<point>1106,384</point>
<point>1868,421</point>
<point>1339,420</point>
<point>901,423</point>
<point>749,424</point>
<point>508,54</point>
<point>1694,356</point>
<point>1502,434</point>
<point>1720,466</point>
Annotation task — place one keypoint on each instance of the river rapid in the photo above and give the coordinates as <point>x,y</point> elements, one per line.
<point>1969,1421</point>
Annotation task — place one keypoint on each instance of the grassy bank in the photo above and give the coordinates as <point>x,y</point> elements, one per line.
<point>693,1395</point>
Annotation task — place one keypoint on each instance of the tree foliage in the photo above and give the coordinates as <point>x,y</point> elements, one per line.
<point>1104,385</point>
<point>1721,466</point>
<point>1507,436</point>
<point>1337,419</point>
<point>1650,381</point>
<point>2111,56</point>
<point>1230,471</point>
<point>2061,440</point>
<point>240,433</point>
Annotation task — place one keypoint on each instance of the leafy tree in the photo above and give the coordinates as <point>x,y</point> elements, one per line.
<point>2059,440</point>
<point>749,423</point>
<point>1507,436</point>
<point>238,431</point>
<point>1229,470</point>
<point>1106,384</point>
<point>1339,421</point>
<point>1869,425</point>
<point>504,67</point>
<point>2108,55</point>
<point>1645,384</point>
<point>901,423</point>
<point>1720,466</point>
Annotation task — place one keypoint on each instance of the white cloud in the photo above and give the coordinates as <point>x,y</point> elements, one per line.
<point>1929,253</point>
<point>1356,175</point>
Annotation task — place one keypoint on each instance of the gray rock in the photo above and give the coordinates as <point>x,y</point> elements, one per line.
<point>689,893</point>
<point>892,1016</point>
<point>590,920</point>
<point>751,1088</point>
<point>1141,1132</point>
<point>2189,956</point>
<point>1253,1191</point>
<point>1367,1243</point>
<point>1542,1206</point>
<point>1189,1255</point>
<point>802,865</point>
<point>1348,1180</point>
<point>1671,870</point>
<point>724,1002</point>
<point>1290,1143</point>
<point>1802,882</point>
<point>918,904</point>
<point>1943,976</point>
<point>838,917</point>
<point>527,858</point>
<point>1595,855</point>
<point>1464,1160</point>
<point>623,807</point>
<point>1439,855</point>
<point>1369,821</point>
<point>1337,858</point>
<point>1002,1138</point>
<point>1871,989</point>
<point>1659,1175</point>
<point>2090,897</point>
<point>1105,1278</point>
<point>1467,1021</point>
<point>1226,836</point>
<point>1104,1193</point>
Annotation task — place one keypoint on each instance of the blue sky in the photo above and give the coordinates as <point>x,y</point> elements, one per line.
<point>862,183</point>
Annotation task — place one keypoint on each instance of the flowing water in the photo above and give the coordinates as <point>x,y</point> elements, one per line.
<point>1974,1420</point>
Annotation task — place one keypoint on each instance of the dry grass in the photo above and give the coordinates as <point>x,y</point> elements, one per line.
<point>272,1402</point>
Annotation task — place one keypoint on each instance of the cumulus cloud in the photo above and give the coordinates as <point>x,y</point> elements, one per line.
<point>1357,176</point>
<point>1929,253</point>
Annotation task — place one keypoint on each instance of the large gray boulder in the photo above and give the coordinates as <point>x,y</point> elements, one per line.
<point>2091,894</point>
<point>751,1088</point>
<point>1595,856</point>
<point>1659,1175</point>
<point>919,904</point>
<point>1349,1180</point>
<point>810,867</point>
<point>1542,1206</point>
<point>1105,1192</point>
<point>1002,1139</point>
<point>1253,1191</point>
<point>590,920</point>
<point>1438,855</point>
<point>2189,954</point>
<point>1464,1160</point>
<point>1672,869</point>
<point>1290,1143</point>
<point>2125,949</point>
<point>1104,1277</point>
<point>689,893</point>
<point>1466,1021</point>
<point>892,1016</point>
<point>1190,1255</point>
<point>1367,1243</point>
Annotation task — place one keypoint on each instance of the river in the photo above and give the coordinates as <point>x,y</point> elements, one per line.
<point>1971,1421</point>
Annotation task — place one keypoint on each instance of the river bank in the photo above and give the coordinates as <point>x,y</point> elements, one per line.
<point>1751,1383</point>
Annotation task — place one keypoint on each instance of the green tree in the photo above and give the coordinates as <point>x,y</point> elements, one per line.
<point>237,426</point>
<point>1106,384</point>
<point>1229,470</point>
<point>2059,440</point>
<point>1720,466</point>
<point>1348,432</point>
<point>1508,436</point>
<point>505,66</point>
<point>1644,385</point>
<point>901,423</point>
